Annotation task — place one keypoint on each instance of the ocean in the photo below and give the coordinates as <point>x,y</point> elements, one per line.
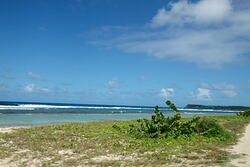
<point>14,114</point>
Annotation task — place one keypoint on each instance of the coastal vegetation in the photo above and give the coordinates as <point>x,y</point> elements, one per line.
<point>198,141</point>
<point>235,108</point>
<point>175,126</point>
<point>245,113</point>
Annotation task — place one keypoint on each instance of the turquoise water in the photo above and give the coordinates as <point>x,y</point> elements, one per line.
<point>13,114</point>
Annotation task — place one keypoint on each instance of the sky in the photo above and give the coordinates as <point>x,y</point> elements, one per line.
<point>125,52</point>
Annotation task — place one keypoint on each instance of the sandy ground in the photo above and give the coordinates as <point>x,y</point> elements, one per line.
<point>6,130</point>
<point>9,130</point>
<point>243,148</point>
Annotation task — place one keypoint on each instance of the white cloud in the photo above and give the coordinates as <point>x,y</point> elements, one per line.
<point>29,88</point>
<point>202,94</point>
<point>167,92</point>
<point>224,89</point>
<point>202,12</point>
<point>218,86</point>
<point>223,86</point>
<point>112,84</point>
<point>229,93</point>
<point>199,47</point>
<point>210,33</point>
<point>32,88</point>
<point>33,76</point>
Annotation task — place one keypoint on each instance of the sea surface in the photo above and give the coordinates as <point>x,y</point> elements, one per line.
<point>14,114</point>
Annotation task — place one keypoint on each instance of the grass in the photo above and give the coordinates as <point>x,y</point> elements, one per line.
<point>99,144</point>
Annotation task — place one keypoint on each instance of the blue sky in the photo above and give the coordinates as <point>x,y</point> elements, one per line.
<point>128,52</point>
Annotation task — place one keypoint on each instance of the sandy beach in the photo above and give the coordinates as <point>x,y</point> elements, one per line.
<point>243,148</point>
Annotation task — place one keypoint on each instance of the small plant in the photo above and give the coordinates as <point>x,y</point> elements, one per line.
<point>175,126</point>
<point>161,126</point>
<point>245,113</point>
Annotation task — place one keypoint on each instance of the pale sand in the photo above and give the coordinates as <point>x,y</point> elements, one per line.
<point>243,148</point>
<point>9,130</point>
<point>6,130</point>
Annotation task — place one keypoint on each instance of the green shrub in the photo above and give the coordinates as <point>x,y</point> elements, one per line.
<point>161,126</point>
<point>209,128</point>
<point>245,113</point>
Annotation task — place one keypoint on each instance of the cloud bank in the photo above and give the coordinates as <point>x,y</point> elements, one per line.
<point>209,33</point>
<point>201,94</point>
<point>209,92</point>
<point>32,88</point>
<point>184,12</point>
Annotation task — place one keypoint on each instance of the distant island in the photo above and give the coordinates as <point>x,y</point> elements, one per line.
<point>197,106</point>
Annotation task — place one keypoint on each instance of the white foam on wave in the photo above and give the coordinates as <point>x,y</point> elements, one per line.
<point>207,110</point>
<point>9,107</point>
<point>183,109</point>
<point>46,106</point>
<point>193,113</point>
<point>43,106</point>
